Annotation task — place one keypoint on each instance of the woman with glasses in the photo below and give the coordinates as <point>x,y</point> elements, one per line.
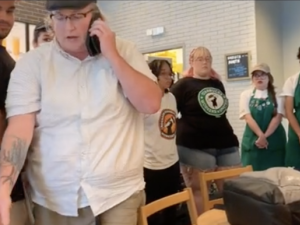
<point>264,139</point>
<point>161,166</point>
<point>205,138</point>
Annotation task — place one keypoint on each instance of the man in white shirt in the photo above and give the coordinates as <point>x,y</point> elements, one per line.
<point>82,117</point>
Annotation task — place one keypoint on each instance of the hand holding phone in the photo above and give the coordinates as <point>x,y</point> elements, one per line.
<point>107,39</point>
<point>92,42</point>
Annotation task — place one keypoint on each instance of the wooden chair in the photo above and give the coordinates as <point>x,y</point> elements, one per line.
<point>213,217</point>
<point>205,177</point>
<point>158,205</point>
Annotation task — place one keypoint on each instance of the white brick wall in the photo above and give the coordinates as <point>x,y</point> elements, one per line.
<point>222,26</point>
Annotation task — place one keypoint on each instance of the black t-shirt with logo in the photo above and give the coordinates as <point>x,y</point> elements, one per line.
<point>6,66</point>
<point>203,105</point>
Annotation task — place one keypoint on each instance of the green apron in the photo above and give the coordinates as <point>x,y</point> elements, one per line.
<point>261,159</point>
<point>293,144</point>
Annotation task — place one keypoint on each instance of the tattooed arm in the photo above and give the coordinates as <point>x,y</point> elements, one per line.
<point>16,140</point>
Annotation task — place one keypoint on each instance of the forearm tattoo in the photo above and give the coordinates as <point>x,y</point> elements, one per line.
<point>14,158</point>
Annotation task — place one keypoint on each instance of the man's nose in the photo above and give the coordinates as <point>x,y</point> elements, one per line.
<point>69,25</point>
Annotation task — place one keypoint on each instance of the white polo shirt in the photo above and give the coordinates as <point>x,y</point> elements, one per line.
<point>290,85</point>
<point>88,145</point>
<point>160,135</point>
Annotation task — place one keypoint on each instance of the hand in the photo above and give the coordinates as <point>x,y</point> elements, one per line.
<point>262,142</point>
<point>106,37</point>
<point>5,205</point>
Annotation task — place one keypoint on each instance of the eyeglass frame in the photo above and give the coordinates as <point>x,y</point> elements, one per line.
<point>71,17</point>
<point>259,75</point>
<point>166,75</point>
<point>203,59</point>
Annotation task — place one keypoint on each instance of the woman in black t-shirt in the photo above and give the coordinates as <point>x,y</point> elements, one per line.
<point>205,138</point>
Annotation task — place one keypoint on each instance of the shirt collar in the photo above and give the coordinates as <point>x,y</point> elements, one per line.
<point>65,54</point>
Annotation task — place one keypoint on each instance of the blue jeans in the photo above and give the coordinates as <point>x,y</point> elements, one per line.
<point>209,159</point>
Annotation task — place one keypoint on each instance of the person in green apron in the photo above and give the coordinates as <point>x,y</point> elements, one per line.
<point>264,139</point>
<point>291,92</point>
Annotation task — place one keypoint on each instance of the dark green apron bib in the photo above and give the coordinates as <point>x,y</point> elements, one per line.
<point>261,159</point>
<point>293,144</point>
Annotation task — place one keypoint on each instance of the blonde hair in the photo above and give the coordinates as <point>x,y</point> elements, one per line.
<point>195,53</point>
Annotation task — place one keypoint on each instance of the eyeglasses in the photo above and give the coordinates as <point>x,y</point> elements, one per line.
<point>260,75</point>
<point>166,75</point>
<point>73,17</point>
<point>203,59</point>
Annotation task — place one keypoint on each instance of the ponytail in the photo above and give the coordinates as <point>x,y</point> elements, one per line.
<point>215,75</point>
<point>189,72</point>
<point>272,93</point>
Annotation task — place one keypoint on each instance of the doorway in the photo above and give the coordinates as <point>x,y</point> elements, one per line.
<point>174,56</point>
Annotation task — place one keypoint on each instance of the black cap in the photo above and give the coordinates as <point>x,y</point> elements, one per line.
<point>40,26</point>
<point>56,5</point>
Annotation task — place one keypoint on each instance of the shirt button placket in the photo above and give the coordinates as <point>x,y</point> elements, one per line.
<point>83,99</point>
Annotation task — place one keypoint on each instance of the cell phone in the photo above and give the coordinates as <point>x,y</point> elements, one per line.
<point>92,42</point>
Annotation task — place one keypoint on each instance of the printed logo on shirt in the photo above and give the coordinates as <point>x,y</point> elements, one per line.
<point>167,124</point>
<point>213,101</point>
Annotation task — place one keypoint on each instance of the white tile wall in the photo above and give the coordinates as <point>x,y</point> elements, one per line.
<point>222,26</point>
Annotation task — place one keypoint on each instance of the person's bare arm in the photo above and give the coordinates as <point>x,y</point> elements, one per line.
<point>276,120</point>
<point>289,112</point>
<point>2,124</point>
<point>130,68</point>
<point>14,148</point>
<point>253,125</point>
<point>142,92</point>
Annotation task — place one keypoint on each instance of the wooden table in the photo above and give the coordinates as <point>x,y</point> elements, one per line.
<point>213,217</point>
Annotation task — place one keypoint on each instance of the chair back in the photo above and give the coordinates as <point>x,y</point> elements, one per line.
<point>210,176</point>
<point>184,196</point>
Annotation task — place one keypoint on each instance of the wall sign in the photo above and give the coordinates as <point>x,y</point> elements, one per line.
<point>237,66</point>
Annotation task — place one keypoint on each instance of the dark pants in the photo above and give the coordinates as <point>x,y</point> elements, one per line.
<point>159,184</point>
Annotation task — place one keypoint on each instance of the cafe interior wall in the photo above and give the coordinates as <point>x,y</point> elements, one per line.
<point>269,40</point>
<point>277,35</point>
<point>290,37</point>
<point>222,26</point>
<point>290,18</point>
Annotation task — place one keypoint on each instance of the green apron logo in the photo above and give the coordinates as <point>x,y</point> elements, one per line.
<point>213,101</point>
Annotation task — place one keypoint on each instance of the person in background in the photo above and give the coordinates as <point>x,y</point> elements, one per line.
<point>264,139</point>
<point>161,167</point>
<point>83,118</point>
<point>19,213</point>
<point>41,34</point>
<point>291,93</point>
<point>205,138</point>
